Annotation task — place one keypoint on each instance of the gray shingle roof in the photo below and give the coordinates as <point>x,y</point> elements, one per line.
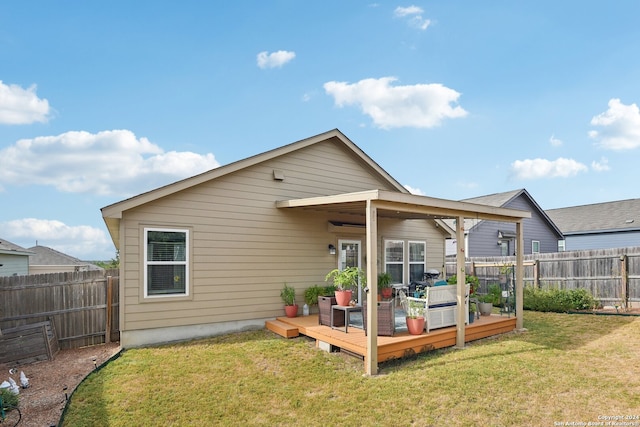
<point>8,247</point>
<point>619,215</point>
<point>48,256</point>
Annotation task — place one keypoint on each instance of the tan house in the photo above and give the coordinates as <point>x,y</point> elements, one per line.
<point>210,254</point>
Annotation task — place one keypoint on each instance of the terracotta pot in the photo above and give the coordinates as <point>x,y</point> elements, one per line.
<point>343,297</point>
<point>386,293</point>
<point>291,310</point>
<point>415,325</point>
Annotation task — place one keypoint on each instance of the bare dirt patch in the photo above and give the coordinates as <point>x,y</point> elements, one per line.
<point>41,404</point>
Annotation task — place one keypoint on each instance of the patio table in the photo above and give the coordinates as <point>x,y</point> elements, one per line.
<point>347,310</point>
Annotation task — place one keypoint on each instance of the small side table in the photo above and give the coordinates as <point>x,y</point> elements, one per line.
<point>347,310</point>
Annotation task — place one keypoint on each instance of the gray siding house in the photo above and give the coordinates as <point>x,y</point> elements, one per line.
<point>14,260</point>
<point>600,225</point>
<point>492,238</point>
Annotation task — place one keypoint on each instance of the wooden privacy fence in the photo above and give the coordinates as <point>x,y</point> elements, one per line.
<point>610,275</point>
<point>83,306</point>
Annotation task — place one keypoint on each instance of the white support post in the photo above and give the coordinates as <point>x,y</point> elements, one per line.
<point>519,275</point>
<point>371,363</point>
<point>460,274</point>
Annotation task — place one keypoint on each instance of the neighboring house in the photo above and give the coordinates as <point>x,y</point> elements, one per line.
<point>493,238</point>
<point>210,254</point>
<point>600,225</point>
<point>14,260</point>
<point>48,260</point>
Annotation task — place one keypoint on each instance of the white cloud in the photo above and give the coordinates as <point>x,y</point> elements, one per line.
<point>555,141</point>
<point>416,191</point>
<point>405,11</point>
<point>274,59</point>
<point>107,163</point>
<point>543,168</point>
<point>414,14</point>
<point>20,106</point>
<point>420,105</point>
<point>82,241</point>
<point>601,166</point>
<point>620,126</point>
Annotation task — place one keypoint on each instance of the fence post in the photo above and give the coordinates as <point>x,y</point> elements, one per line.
<point>107,329</point>
<point>624,279</point>
<point>536,274</point>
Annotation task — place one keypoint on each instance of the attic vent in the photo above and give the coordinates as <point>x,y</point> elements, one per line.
<point>278,175</point>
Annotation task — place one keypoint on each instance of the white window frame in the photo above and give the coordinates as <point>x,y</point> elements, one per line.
<point>424,258</point>
<point>562,245</point>
<point>402,262</point>
<point>186,262</point>
<point>535,243</point>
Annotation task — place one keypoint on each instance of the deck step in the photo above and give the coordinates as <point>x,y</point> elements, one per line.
<point>281,328</point>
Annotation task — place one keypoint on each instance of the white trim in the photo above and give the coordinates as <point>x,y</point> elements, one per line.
<point>146,262</point>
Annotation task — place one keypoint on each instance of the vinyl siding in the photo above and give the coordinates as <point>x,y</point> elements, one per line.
<point>14,265</point>
<point>483,238</point>
<point>243,249</point>
<point>619,239</point>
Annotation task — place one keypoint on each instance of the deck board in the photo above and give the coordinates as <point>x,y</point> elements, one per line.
<point>402,343</point>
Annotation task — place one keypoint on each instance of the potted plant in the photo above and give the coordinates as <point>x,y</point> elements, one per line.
<point>346,281</point>
<point>487,301</point>
<point>472,312</point>
<point>384,285</point>
<point>288,295</point>
<point>414,316</point>
<point>505,271</point>
<point>312,294</point>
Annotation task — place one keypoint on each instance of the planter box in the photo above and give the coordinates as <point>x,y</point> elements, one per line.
<point>324,312</point>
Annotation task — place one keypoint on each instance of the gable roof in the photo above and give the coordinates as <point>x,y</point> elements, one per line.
<point>49,256</point>
<point>112,214</point>
<point>598,217</point>
<point>8,248</point>
<point>503,199</point>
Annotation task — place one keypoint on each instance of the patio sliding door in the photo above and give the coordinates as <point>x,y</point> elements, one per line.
<point>350,255</point>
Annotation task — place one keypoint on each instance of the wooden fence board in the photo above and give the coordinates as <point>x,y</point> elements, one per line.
<point>75,302</point>
<point>610,275</point>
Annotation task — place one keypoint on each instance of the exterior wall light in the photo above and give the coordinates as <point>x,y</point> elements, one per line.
<point>332,249</point>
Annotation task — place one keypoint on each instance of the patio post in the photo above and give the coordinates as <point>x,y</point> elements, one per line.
<point>519,275</point>
<point>371,361</point>
<point>460,274</point>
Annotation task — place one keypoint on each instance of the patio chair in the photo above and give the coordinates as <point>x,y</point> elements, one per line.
<point>386,317</point>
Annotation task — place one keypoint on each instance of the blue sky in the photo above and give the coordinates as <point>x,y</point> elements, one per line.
<point>100,101</point>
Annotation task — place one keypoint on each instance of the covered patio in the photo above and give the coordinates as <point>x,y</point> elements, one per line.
<point>374,204</point>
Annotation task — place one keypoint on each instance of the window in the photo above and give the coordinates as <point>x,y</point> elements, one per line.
<point>394,259</point>
<point>561,245</point>
<point>166,261</point>
<point>417,260</point>
<point>535,246</point>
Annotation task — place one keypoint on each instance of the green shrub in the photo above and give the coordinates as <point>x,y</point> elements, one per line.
<point>9,399</point>
<point>557,300</point>
<point>311,294</point>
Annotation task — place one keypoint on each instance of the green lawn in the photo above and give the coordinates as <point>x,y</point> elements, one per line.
<point>566,368</point>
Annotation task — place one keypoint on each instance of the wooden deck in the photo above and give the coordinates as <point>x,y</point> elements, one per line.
<point>400,345</point>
